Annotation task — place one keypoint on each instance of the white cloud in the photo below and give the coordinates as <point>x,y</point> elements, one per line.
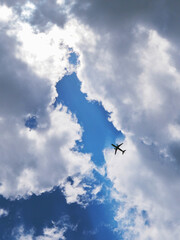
<point>3,212</point>
<point>31,65</point>
<point>130,68</point>
<point>42,52</point>
<point>27,10</point>
<point>145,185</point>
<point>97,190</point>
<point>54,233</point>
<point>143,104</point>
<point>174,131</point>
<point>5,13</point>
<point>39,159</point>
<point>73,190</point>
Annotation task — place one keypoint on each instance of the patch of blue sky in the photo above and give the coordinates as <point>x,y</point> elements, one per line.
<point>98,133</point>
<point>145,217</point>
<point>38,212</point>
<point>73,58</point>
<point>31,122</point>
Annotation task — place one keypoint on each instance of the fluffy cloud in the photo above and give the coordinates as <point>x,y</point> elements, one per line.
<point>31,64</point>
<point>130,65</point>
<point>129,54</point>
<point>147,189</point>
<point>141,90</point>
<point>35,161</point>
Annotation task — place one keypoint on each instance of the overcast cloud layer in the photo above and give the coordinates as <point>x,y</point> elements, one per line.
<point>129,58</point>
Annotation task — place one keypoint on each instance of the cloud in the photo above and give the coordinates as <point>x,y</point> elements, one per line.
<point>42,15</point>
<point>130,64</point>
<point>3,212</point>
<point>56,231</point>
<point>48,12</point>
<point>128,60</point>
<point>53,233</point>
<point>48,233</point>
<point>31,65</point>
<point>30,156</point>
<point>72,190</point>
<point>5,13</point>
<point>144,184</point>
<point>21,91</point>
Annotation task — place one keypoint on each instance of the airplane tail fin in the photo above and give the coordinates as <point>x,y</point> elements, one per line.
<point>123,151</point>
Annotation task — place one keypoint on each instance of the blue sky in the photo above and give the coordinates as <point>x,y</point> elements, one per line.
<point>99,133</point>
<point>39,211</point>
<point>76,77</point>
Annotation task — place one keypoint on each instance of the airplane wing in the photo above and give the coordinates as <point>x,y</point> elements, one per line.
<point>115,150</point>
<point>120,144</point>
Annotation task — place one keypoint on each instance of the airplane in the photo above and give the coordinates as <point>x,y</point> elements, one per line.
<point>117,147</point>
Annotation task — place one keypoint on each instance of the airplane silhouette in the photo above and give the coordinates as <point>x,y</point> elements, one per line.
<point>117,147</point>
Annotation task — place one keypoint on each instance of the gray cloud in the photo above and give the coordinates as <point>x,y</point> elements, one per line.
<point>48,12</point>
<point>21,91</point>
<point>162,15</point>
<point>131,69</point>
<point>43,16</point>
